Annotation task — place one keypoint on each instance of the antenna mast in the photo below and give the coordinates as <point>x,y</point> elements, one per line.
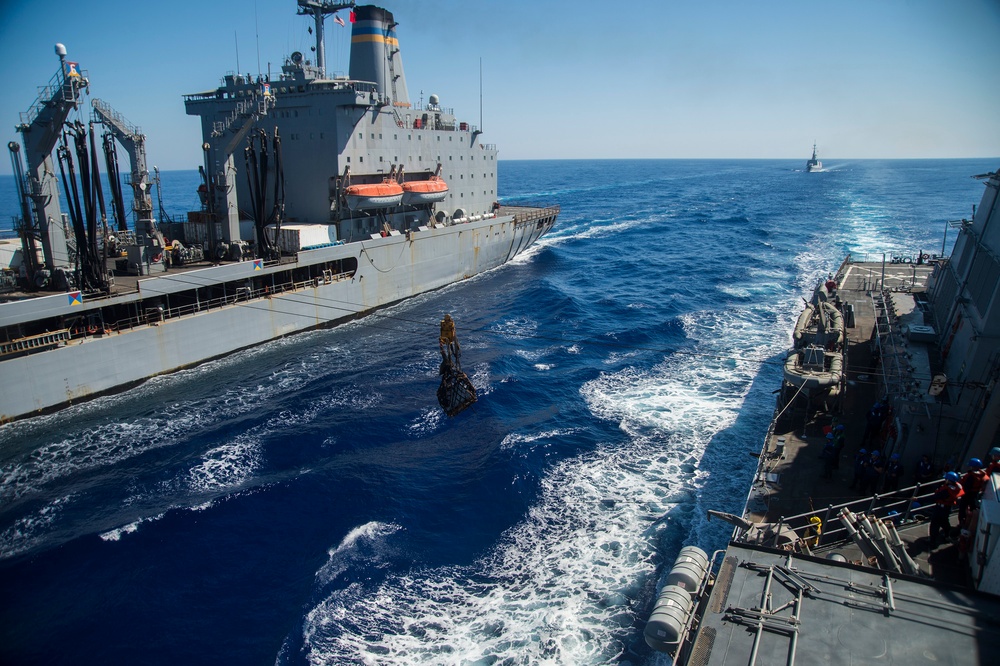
<point>319,9</point>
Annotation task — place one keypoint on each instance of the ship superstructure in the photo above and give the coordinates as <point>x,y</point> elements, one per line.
<point>338,132</point>
<point>323,198</point>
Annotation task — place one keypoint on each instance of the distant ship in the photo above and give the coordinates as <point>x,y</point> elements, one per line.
<point>323,197</point>
<point>814,164</point>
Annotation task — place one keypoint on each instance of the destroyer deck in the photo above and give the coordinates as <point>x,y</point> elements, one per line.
<point>790,483</point>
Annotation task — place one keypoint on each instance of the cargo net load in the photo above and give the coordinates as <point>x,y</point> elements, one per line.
<point>456,391</point>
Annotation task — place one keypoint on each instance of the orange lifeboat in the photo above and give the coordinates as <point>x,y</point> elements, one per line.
<point>386,194</point>
<point>432,190</point>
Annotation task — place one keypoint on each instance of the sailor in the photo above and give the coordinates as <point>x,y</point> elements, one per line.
<point>994,464</point>
<point>873,472</point>
<point>893,472</point>
<point>813,531</point>
<point>831,286</point>
<point>839,440</point>
<point>925,469</point>
<point>860,462</point>
<point>875,418</point>
<point>972,483</point>
<point>945,498</point>
<point>829,457</point>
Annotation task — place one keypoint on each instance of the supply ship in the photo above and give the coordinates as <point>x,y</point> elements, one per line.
<point>850,548</point>
<point>323,198</point>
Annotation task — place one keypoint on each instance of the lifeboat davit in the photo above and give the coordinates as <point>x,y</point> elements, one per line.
<point>386,194</point>
<point>432,190</point>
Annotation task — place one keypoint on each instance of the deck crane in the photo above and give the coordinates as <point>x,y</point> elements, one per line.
<point>41,127</point>
<point>220,167</point>
<point>133,141</point>
<point>143,256</point>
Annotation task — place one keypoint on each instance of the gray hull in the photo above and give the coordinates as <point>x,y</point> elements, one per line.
<point>389,269</point>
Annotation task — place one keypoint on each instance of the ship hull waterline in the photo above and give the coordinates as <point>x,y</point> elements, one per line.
<point>390,270</point>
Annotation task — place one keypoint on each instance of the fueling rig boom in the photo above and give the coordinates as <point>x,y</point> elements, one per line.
<point>134,142</point>
<point>41,127</point>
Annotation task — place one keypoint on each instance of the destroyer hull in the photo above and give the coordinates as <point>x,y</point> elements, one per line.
<point>389,270</point>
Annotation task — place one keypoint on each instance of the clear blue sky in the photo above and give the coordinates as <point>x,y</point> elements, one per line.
<point>583,79</point>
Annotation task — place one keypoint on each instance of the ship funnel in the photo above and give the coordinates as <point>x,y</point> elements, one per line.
<point>375,53</point>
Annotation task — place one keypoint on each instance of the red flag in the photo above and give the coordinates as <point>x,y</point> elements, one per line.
<point>353,17</point>
<point>338,19</point>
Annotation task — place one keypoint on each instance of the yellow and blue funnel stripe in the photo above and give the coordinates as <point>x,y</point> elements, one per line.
<point>373,34</point>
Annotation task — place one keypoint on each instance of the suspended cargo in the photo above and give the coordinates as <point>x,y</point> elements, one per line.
<point>456,391</point>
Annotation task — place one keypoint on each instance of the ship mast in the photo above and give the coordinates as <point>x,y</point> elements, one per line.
<point>319,10</point>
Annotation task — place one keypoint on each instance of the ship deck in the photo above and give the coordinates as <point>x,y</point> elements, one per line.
<point>790,484</point>
<point>769,607</point>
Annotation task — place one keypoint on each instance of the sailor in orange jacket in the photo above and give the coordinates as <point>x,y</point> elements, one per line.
<point>945,498</point>
<point>994,461</point>
<point>972,483</point>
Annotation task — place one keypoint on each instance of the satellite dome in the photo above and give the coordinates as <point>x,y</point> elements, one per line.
<point>433,99</point>
<point>60,50</point>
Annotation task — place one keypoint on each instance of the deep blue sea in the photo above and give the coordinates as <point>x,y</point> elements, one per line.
<point>307,502</point>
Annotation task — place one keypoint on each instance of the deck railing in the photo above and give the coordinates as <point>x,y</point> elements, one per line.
<point>97,327</point>
<point>909,504</point>
<point>156,316</point>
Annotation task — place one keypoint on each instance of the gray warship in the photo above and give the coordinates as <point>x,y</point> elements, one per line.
<point>323,197</point>
<point>819,572</point>
<point>813,164</point>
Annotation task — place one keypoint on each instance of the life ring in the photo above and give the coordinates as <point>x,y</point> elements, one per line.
<point>92,329</point>
<point>925,257</point>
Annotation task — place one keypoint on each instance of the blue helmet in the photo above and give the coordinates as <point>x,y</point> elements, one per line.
<point>995,452</point>
<point>951,477</point>
<point>840,427</point>
<point>875,454</point>
<point>862,452</point>
<point>829,435</point>
<point>894,456</point>
<point>975,463</point>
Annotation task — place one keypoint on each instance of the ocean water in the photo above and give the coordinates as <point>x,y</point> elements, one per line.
<point>307,502</point>
<point>178,193</point>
